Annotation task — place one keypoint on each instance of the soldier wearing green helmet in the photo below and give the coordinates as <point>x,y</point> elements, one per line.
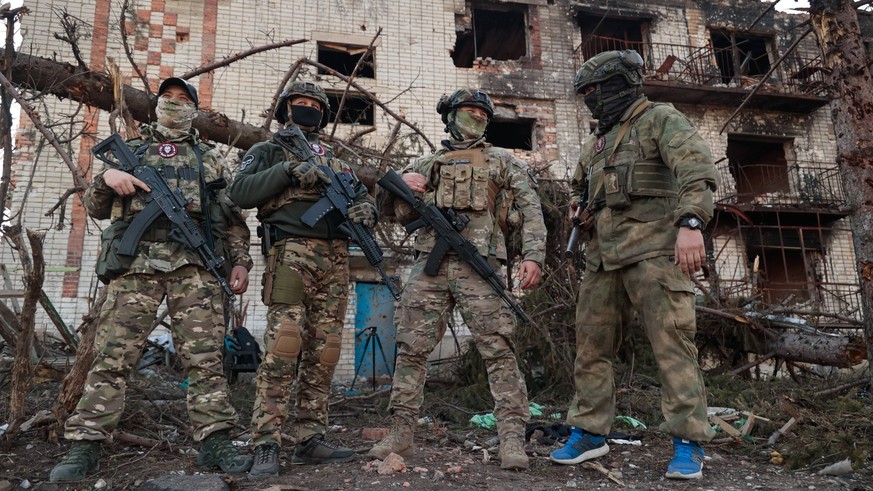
<point>648,180</point>
<point>493,188</point>
<point>305,282</point>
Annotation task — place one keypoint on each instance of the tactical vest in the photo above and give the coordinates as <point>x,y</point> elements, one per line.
<point>616,178</point>
<point>293,194</point>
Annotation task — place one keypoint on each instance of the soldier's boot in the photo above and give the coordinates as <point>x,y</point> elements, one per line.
<point>512,455</point>
<point>317,450</point>
<point>81,460</point>
<point>266,461</point>
<point>399,441</point>
<point>218,451</point>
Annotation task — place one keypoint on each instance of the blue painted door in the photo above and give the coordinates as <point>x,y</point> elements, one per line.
<point>375,333</point>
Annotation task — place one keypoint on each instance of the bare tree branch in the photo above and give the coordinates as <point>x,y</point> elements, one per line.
<point>71,36</point>
<point>290,76</point>
<point>358,66</point>
<point>230,59</point>
<point>127,11</point>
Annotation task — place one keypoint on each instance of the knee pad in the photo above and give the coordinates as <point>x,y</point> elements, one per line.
<point>287,344</point>
<point>331,354</point>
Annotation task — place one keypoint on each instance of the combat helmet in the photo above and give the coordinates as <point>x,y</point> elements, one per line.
<point>184,84</point>
<point>305,89</point>
<point>603,66</point>
<point>464,97</point>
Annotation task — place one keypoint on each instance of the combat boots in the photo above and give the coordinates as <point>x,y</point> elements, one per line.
<point>399,441</point>
<point>317,450</point>
<point>266,461</point>
<point>80,461</point>
<point>218,451</point>
<point>512,455</point>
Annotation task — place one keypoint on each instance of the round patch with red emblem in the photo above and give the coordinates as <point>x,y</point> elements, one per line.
<point>167,150</point>
<point>600,145</point>
<point>316,149</point>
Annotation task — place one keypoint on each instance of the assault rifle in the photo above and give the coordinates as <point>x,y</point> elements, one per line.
<point>339,195</point>
<point>447,224</point>
<point>161,201</point>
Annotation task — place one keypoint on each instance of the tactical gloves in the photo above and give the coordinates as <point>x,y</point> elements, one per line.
<point>363,213</point>
<point>309,175</point>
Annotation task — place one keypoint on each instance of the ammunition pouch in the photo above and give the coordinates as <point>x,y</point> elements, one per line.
<point>615,186</point>
<point>111,264</point>
<point>282,284</point>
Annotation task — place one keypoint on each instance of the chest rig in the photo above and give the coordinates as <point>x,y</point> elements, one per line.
<point>620,172</point>
<point>462,181</point>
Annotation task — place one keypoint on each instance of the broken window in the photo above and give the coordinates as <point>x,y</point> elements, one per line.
<point>358,109</point>
<point>511,133</point>
<point>344,57</point>
<point>758,167</point>
<point>495,31</point>
<point>790,250</point>
<point>741,55</point>
<point>601,33</point>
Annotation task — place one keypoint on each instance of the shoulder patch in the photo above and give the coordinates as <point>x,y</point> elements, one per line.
<point>246,162</point>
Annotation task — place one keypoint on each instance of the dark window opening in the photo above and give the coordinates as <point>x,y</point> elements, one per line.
<point>357,109</point>
<point>495,34</point>
<point>785,275</point>
<point>741,55</point>
<point>601,33</point>
<point>515,133</point>
<point>758,166</point>
<point>344,58</point>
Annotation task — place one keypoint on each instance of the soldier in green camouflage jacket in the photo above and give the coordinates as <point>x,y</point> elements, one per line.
<point>649,178</point>
<point>495,190</point>
<point>162,269</point>
<point>305,283</point>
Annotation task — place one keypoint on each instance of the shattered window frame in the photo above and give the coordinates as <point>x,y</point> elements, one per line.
<point>464,38</point>
<point>733,59</point>
<point>357,105</point>
<point>337,50</point>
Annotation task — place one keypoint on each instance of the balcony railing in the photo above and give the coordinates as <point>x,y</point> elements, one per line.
<point>796,184</point>
<point>698,66</point>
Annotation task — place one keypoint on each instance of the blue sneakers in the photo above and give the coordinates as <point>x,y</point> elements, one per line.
<point>687,460</point>
<point>581,446</point>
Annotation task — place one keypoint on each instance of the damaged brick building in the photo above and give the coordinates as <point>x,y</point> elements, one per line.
<point>780,233</point>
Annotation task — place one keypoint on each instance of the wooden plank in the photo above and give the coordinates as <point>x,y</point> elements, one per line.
<point>725,426</point>
<point>11,293</point>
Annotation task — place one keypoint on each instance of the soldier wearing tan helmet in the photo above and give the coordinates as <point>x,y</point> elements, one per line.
<point>305,283</point>
<point>491,187</point>
<point>649,179</point>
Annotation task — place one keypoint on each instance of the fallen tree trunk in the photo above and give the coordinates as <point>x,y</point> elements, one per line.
<point>66,81</point>
<point>832,351</point>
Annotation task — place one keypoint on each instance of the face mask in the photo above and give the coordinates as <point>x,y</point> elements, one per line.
<point>470,126</point>
<point>175,115</point>
<point>591,102</point>
<point>305,116</point>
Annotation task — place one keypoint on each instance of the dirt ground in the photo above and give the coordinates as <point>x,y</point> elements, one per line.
<point>442,461</point>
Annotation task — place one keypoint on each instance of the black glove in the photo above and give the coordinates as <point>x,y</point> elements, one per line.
<point>309,175</point>
<point>363,213</point>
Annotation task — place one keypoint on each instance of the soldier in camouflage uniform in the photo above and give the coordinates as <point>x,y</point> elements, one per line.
<point>650,180</point>
<point>485,183</point>
<point>162,269</point>
<point>305,283</point>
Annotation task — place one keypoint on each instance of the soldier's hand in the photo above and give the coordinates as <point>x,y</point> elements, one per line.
<point>363,213</point>
<point>239,279</point>
<point>529,274</point>
<point>122,183</point>
<point>689,250</point>
<point>309,175</point>
<point>416,182</point>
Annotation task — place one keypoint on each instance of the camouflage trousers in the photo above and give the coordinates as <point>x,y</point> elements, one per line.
<point>310,317</point>
<point>664,298</point>
<point>427,301</point>
<point>193,299</point>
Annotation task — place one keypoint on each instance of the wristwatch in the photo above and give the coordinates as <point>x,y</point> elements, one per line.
<point>693,223</point>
